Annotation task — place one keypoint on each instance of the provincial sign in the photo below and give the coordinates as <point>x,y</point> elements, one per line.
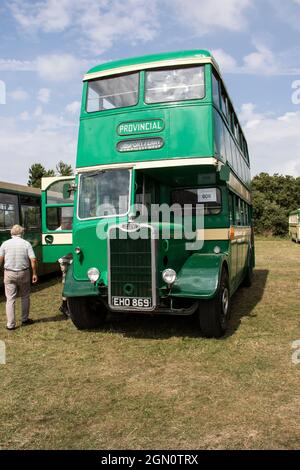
<point>140,127</point>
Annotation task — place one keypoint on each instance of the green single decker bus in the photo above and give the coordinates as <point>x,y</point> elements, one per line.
<point>161,201</point>
<point>294,225</point>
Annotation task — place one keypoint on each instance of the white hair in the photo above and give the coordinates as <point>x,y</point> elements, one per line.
<point>17,230</point>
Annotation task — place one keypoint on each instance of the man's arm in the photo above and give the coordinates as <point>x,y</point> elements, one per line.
<point>2,254</point>
<point>33,262</point>
<point>34,270</point>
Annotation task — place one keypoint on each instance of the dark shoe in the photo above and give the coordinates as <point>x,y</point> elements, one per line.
<point>27,322</point>
<point>11,329</point>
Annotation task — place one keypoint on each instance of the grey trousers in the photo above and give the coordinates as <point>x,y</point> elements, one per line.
<point>17,282</point>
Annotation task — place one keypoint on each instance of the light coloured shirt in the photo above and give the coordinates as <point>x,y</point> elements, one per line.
<point>17,253</point>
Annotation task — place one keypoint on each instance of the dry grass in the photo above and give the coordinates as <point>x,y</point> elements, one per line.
<point>146,382</point>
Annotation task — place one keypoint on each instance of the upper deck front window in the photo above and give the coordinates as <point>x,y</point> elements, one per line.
<point>177,84</point>
<point>114,92</point>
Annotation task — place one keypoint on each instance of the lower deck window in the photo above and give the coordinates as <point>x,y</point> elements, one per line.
<point>8,211</point>
<point>210,198</point>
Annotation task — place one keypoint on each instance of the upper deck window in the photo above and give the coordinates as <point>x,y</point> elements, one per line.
<point>114,92</point>
<point>179,84</point>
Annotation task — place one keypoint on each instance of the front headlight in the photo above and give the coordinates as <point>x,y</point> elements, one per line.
<point>93,274</point>
<point>169,276</point>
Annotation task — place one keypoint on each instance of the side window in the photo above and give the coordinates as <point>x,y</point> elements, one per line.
<point>59,218</point>
<point>8,211</point>
<point>243,215</point>
<point>224,103</point>
<point>31,217</point>
<point>231,119</point>
<point>218,134</point>
<point>223,142</point>
<point>238,163</point>
<point>55,194</point>
<point>30,212</point>
<point>237,210</point>
<point>209,197</point>
<point>228,146</point>
<point>231,208</point>
<point>146,192</point>
<point>216,91</point>
<point>236,130</point>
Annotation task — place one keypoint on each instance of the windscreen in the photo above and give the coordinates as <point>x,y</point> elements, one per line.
<point>104,193</point>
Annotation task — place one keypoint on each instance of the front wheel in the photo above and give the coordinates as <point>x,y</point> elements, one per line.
<point>214,314</point>
<point>86,313</point>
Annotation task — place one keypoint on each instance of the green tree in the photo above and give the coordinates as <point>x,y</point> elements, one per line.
<point>36,172</point>
<point>273,198</point>
<point>63,169</point>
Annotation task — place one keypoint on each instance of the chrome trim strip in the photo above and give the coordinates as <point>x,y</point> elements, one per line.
<point>142,165</point>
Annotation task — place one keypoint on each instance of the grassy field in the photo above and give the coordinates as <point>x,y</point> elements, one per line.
<point>144,382</point>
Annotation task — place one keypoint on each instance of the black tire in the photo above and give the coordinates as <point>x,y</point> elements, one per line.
<point>214,314</point>
<point>247,281</point>
<point>296,239</point>
<point>87,313</point>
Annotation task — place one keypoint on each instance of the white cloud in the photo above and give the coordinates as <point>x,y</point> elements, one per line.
<point>14,65</point>
<point>100,23</point>
<point>49,67</point>
<point>44,95</point>
<point>225,61</point>
<point>50,16</point>
<point>24,116</point>
<point>73,107</point>
<point>46,143</point>
<point>59,67</point>
<point>273,141</point>
<point>262,61</point>
<point>38,111</point>
<point>19,94</point>
<point>287,11</point>
<point>206,15</point>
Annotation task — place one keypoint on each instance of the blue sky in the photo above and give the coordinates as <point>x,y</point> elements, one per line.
<point>46,46</point>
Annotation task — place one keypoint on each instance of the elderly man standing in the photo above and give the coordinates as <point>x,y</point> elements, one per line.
<point>17,255</point>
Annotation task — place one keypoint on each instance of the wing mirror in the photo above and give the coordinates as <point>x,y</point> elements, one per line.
<point>68,189</point>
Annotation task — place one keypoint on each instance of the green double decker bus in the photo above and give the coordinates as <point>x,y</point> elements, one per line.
<point>161,201</point>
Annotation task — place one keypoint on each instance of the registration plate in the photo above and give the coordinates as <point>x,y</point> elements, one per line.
<point>132,302</point>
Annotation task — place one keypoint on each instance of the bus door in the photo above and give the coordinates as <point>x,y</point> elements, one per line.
<point>57,217</point>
